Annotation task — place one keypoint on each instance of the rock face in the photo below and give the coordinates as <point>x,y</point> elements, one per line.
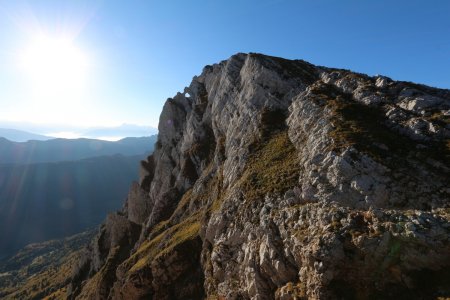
<point>277,179</point>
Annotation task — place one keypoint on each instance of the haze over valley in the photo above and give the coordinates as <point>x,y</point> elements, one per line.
<point>56,188</point>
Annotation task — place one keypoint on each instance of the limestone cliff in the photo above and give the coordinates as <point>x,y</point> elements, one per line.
<point>278,179</point>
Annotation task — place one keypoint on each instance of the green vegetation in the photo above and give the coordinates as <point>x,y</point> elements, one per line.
<point>439,117</point>
<point>297,291</point>
<point>361,126</point>
<point>165,242</point>
<point>364,127</point>
<point>291,68</point>
<point>272,167</point>
<point>215,190</point>
<point>183,205</point>
<point>59,294</point>
<point>184,224</point>
<point>42,270</point>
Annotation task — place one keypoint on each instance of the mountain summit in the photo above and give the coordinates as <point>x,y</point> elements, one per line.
<point>278,179</point>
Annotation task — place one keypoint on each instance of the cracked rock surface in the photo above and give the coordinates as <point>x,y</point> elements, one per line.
<point>278,179</point>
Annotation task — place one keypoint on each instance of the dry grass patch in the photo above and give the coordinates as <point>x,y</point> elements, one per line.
<point>271,169</point>
<point>165,242</point>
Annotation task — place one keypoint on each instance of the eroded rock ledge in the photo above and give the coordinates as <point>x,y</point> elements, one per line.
<point>276,178</point>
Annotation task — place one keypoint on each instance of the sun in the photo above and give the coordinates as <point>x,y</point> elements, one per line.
<point>55,73</point>
<point>54,65</point>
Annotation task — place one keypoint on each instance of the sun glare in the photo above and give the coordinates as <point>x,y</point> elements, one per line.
<point>56,71</point>
<point>54,64</point>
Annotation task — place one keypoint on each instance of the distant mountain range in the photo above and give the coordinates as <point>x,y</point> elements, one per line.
<point>66,150</point>
<point>56,188</point>
<point>21,136</point>
<point>119,131</point>
<point>23,131</point>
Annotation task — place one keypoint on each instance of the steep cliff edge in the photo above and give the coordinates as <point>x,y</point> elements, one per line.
<point>275,178</point>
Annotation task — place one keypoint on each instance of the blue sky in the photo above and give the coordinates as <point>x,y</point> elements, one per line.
<point>140,53</point>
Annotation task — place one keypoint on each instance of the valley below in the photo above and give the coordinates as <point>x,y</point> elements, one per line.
<point>65,188</point>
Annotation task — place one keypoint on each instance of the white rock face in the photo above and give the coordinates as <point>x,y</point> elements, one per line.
<point>365,210</point>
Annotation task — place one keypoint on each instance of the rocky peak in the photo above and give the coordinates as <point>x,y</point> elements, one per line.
<point>275,178</point>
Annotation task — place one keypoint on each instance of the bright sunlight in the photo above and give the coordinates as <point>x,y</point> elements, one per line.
<point>57,71</point>
<point>54,64</point>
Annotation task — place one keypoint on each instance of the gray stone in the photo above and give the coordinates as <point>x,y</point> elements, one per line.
<point>358,202</point>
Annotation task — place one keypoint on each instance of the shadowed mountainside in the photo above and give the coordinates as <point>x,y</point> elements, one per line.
<point>39,202</point>
<point>42,269</point>
<point>66,149</point>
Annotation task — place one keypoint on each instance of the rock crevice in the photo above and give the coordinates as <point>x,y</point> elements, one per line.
<point>278,179</point>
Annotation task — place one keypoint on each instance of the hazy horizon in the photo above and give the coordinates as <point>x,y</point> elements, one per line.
<point>112,133</point>
<point>106,63</point>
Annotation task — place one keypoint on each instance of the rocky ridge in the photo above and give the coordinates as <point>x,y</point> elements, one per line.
<point>278,179</point>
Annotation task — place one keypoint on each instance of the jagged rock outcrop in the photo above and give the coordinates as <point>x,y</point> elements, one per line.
<point>277,179</point>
